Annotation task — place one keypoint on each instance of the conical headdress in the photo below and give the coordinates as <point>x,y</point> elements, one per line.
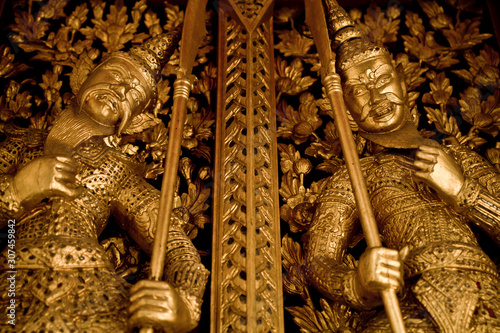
<point>349,43</point>
<point>150,57</point>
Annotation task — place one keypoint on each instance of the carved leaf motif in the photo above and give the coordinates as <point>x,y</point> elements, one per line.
<point>289,155</point>
<point>77,17</point>
<point>114,32</point>
<point>483,115</point>
<point>163,91</point>
<point>51,86</point>
<point>328,148</point>
<point>444,124</point>
<point>464,5</point>
<point>293,44</point>
<point>8,67</point>
<point>483,70</point>
<point>465,34</point>
<point>493,155</point>
<point>412,71</point>
<point>441,90</point>
<point>82,69</point>
<point>195,202</point>
<point>380,28</point>
<point>286,14</point>
<point>298,125</point>
<point>26,29</point>
<point>54,9</point>
<point>15,104</point>
<point>197,129</point>
<point>438,19</point>
<point>175,17</point>
<point>414,24</point>
<point>289,79</point>
<point>291,253</point>
<point>152,22</point>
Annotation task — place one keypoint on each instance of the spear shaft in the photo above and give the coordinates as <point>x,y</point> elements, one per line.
<point>193,32</point>
<point>315,19</point>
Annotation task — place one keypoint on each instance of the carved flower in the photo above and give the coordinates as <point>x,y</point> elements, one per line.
<point>54,9</point>
<point>483,115</point>
<point>152,22</point>
<point>8,67</point>
<point>438,19</point>
<point>298,125</point>
<point>302,166</point>
<point>293,44</point>
<point>15,104</point>
<point>379,28</point>
<point>493,155</point>
<point>289,79</point>
<point>175,17</point>
<point>286,14</point>
<point>441,90</point>
<point>483,70</point>
<point>115,31</point>
<point>77,17</point>
<point>51,86</point>
<point>294,281</point>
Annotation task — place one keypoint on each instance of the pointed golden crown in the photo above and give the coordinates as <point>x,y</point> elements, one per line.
<point>151,56</point>
<point>349,43</point>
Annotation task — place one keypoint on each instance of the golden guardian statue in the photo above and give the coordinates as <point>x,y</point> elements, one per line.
<point>423,197</point>
<point>61,190</point>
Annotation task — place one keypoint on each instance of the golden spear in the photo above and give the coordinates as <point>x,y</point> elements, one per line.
<point>193,32</point>
<point>316,21</point>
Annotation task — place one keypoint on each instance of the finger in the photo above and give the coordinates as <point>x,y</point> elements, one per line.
<point>67,160</point>
<point>150,284</point>
<point>145,317</point>
<point>165,294</point>
<point>163,306</point>
<point>391,264</point>
<point>429,149</point>
<point>58,188</point>
<point>425,156</point>
<point>403,253</point>
<point>423,166</point>
<point>390,279</point>
<point>62,166</point>
<point>64,176</point>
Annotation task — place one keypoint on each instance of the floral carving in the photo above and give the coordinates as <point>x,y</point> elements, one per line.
<point>289,79</point>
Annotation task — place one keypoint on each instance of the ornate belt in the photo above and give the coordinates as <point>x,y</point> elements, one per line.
<point>448,255</point>
<point>57,252</point>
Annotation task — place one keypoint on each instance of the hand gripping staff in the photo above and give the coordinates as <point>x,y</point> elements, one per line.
<point>193,32</point>
<point>316,21</point>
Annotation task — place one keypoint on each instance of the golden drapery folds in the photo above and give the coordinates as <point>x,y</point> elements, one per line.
<point>262,200</point>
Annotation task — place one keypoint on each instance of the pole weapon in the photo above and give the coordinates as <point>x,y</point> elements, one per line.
<point>316,21</point>
<point>193,32</point>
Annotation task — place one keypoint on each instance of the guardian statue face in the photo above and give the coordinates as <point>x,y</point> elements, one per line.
<point>375,95</point>
<point>114,91</point>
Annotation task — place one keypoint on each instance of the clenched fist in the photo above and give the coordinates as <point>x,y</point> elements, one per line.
<point>157,304</point>
<point>46,177</point>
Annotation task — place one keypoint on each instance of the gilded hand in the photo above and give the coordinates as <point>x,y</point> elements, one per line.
<point>440,171</point>
<point>379,269</point>
<point>45,177</point>
<point>157,304</point>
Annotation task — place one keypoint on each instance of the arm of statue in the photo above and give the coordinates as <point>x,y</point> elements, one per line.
<point>334,224</point>
<point>10,150</point>
<point>474,194</point>
<point>42,178</point>
<point>174,304</point>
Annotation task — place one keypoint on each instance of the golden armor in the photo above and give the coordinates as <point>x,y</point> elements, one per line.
<point>259,122</point>
<point>67,185</point>
<point>423,197</point>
